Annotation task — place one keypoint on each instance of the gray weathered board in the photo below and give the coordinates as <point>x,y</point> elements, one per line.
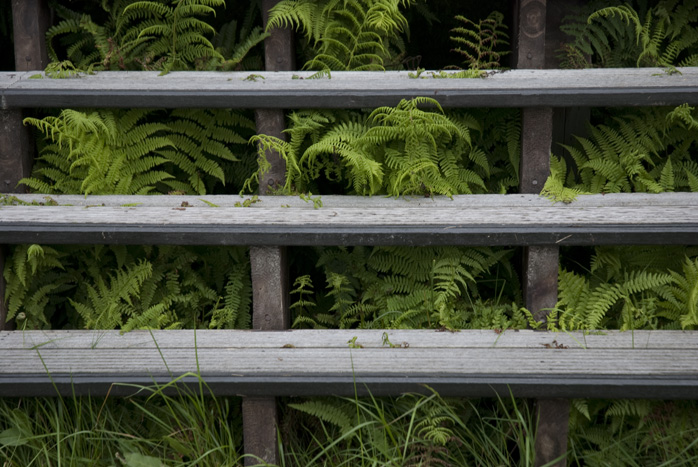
<point>514,88</point>
<point>465,220</point>
<point>661,364</point>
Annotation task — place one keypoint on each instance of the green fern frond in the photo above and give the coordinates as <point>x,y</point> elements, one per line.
<point>342,416</point>
<point>482,44</point>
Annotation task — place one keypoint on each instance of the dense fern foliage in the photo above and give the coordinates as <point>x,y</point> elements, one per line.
<point>633,432</point>
<point>137,151</point>
<point>398,151</point>
<point>640,150</point>
<point>403,151</point>
<point>399,287</point>
<point>128,287</point>
<point>358,35</point>
<point>152,35</point>
<point>622,36</point>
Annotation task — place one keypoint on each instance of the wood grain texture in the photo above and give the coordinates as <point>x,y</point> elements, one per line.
<point>271,122</point>
<point>514,88</point>
<point>457,224</point>
<point>536,140</point>
<point>269,267</point>
<point>636,200</point>
<point>260,421</point>
<point>270,299</point>
<point>551,434</point>
<point>530,34</point>
<point>4,325</point>
<point>16,150</point>
<point>233,364</point>
<point>30,20</point>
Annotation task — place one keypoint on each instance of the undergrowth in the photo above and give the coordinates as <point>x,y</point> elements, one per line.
<point>182,427</point>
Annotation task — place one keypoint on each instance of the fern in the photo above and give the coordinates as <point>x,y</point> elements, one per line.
<point>155,35</point>
<point>481,44</point>
<point>648,150</point>
<point>681,295</point>
<point>108,302</point>
<point>129,287</point>
<point>618,36</point>
<point>629,288</point>
<point>400,150</point>
<point>123,152</point>
<point>173,31</point>
<point>396,287</point>
<point>345,35</point>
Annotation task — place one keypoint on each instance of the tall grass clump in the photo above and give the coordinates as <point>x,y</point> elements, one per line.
<point>162,425</point>
<point>411,430</point>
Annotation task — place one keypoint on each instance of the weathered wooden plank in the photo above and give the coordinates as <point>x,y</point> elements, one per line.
<point>552,225</point>
<point>337,338</point>
<point>279,52</point>
<point>265,371</point>
<point>521,200</point>
<point>540,279</point>
<point>514,88</point>
<point>271,122</point>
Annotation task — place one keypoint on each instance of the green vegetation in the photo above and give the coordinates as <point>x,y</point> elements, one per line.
<point>152,429</point>
<point>413,149</point>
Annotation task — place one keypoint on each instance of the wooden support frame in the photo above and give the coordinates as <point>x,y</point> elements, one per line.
<point>269,265</point>
<point>540,262</point>
<point>270,282</point>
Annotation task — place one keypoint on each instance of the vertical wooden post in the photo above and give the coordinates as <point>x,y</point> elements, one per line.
<point>4,325</point>
<point>540,262</point>
<point>269,267</point>
<point>30,20</point>
<point>15,150</point>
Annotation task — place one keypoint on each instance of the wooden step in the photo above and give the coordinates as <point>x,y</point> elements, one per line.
<point>628,219</point>
<point>608,364</point>
<point>293,90</point>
